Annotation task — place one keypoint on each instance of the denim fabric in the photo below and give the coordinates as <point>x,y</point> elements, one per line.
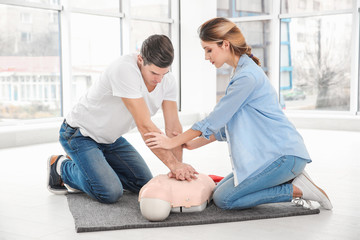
<point>269,186</point>
<point>250,119</point>
<point>102,171</point>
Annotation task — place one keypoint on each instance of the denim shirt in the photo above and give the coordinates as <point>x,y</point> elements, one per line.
<point>250,119</point>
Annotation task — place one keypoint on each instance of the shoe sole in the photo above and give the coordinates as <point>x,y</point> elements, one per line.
<point>52,190</point>
<point>71,190</point>
<point>327,205</point>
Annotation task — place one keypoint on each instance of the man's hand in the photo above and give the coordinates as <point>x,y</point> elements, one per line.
<point>183,171</point>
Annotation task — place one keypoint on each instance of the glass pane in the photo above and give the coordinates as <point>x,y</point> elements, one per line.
<point>306,6</point>
<point>257,35</point>
<point>29,63</point>
<point>112,6</point>
<point>140,30</point>
<point>242,8</point>
<point>315,62</point>
<point>52,2</point>
<point>150,8</point>
<point>93,47</point>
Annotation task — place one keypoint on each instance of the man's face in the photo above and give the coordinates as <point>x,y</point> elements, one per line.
<point>151,74</point>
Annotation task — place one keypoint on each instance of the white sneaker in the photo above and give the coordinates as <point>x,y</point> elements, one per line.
<point>311,191</point>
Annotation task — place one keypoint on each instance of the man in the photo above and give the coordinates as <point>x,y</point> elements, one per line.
<point>99,161</point>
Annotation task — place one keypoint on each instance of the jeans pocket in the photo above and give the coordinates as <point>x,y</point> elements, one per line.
<point>68,132</point>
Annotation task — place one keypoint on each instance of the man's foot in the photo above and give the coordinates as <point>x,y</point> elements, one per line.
<point>54,181</point>
<point>310,191</point>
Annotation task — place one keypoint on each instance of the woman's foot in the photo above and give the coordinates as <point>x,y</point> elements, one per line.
<point>310,191</point>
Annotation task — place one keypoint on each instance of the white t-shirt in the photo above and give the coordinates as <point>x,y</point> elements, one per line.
<point>101,113</point>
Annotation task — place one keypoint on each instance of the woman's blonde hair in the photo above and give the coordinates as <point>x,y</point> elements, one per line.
<point>219,29</point>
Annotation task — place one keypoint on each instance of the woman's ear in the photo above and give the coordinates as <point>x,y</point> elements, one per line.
<point>226,44</point>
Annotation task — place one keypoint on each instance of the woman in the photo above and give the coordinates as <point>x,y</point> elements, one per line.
<point>266,150</point>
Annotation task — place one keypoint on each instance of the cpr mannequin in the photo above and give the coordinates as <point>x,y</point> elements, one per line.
<point>163,194</point>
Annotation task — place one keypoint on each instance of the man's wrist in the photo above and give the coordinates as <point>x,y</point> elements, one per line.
<point>173,164</point>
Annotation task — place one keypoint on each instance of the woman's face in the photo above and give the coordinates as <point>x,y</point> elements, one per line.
<point>217,55</point>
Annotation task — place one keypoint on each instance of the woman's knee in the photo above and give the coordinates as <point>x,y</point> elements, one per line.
<point>220,200</point>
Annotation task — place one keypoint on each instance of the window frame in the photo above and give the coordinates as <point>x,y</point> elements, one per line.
<point>64,10</point>
<point>275,16</point>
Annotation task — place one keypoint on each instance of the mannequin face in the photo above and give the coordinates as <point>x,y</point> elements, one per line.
<point>217,55</point>
<point>151,74</point>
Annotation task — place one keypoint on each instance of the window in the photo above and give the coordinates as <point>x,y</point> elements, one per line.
<point>148,17</point>
<point>26,17</point>
<point>140,30</point>
<point>150,9</point>
<point>315,61</point>
<point>50,2</point>
<point>28,55</point>
<point>257,35</point>
<point>241,8</point>
<point>307,6</point>
<point>32,83</point>
<point>105,6</point>
<point>93,48</point>
<point>25,37</point>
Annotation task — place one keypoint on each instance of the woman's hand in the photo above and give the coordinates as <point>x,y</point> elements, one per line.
<point>158,140</point>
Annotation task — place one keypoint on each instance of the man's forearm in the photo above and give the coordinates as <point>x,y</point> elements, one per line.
<point>166,156</point>
<point>178,151</point>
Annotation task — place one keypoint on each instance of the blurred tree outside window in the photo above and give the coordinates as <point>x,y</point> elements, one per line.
<point>315,59</point>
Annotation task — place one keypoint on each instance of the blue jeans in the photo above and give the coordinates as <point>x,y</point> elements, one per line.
<point>269,186</point>
<point>102,171</point>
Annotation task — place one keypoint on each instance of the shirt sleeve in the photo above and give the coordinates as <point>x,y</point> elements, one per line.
<point>125,81</point>
<point>171,90</point>
<point>237,95</point>
<point>221,134</point>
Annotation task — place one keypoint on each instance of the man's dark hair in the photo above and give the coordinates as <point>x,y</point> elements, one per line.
<point>157,50</point>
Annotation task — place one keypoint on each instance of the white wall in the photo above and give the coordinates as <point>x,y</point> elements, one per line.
<point>198,77</point>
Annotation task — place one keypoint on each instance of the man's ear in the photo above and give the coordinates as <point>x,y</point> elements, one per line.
<point>140,59</point>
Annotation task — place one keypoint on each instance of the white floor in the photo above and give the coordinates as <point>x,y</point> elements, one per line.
<point>29,211</point>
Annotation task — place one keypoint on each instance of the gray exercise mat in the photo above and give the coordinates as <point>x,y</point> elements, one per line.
<point>90,215</point>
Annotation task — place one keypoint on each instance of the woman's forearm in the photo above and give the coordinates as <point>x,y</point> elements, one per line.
<point>185,137</point>
<point>200,142</point>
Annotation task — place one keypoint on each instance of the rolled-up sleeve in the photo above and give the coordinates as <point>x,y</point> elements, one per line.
<point>203,126</point>
<point>236,96</point>
<point>220,135</point>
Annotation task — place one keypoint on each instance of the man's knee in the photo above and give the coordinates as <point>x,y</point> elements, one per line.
<point>145,180</point>
<point>109,194</point>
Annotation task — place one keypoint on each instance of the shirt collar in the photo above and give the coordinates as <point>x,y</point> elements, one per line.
<point>243,58</point>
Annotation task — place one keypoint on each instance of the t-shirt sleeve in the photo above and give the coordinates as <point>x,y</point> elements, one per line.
<point>125,81</point>
<point>171,90</point>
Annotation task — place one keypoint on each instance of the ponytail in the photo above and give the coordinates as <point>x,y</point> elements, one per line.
<point>250,55</point>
